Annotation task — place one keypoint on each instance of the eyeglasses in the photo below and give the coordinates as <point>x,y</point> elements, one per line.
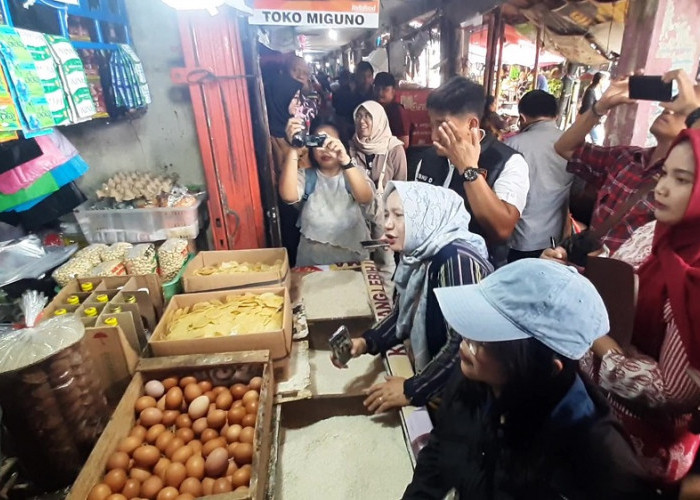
<point>474,346</point>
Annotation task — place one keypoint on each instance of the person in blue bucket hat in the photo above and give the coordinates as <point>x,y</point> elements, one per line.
<point>517,421</point>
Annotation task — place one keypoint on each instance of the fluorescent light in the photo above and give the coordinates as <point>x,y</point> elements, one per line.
<point>308,59</point>
<point>332,34</point>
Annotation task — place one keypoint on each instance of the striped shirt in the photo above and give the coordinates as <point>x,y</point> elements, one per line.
<point>456,264</point>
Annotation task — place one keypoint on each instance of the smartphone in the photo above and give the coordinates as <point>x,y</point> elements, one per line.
<point>341,345</point>
<point>650,88</point>
<point>373,244</point>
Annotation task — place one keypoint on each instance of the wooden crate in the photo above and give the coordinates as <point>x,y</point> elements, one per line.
<point>216,367</point>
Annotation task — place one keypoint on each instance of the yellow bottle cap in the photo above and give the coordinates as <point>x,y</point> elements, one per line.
<point>111,322</point>
<point>73,300</point>
<point>86,287</point>
<point>130,299</point>
<point>116,309</point>
<point>90,312</point>
<point>60,312</point>
<point>102,298</point>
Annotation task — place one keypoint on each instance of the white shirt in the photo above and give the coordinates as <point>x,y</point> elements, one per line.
<point>511,186</point>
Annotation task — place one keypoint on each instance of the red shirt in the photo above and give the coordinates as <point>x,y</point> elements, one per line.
<point>398,119</point>
<point>617,172</point>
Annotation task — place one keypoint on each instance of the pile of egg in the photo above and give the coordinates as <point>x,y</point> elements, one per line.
<point>191,439</point>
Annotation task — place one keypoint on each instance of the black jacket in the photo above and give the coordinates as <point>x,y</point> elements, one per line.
<point>580,454</point>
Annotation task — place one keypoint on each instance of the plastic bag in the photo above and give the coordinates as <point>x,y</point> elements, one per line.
<point>27,258</point>
<point>91,253</point>
<point>111,268</point>
<point>28,346</point>
<point>172,255</point>
<point>117,251</point>
<point>141,260</point>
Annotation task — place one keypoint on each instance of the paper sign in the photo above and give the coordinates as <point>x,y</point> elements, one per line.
<point>320,13</point>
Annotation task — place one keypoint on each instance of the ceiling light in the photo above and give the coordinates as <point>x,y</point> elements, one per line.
<point>332,34</point>
<point>308,59</point>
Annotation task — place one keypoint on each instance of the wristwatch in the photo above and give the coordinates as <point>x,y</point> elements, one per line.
<point>349,165</point>
<point>692,117</point>
<point>472,173</point>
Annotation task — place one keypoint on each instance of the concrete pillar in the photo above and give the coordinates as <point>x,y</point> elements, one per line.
<point>659,35</point>
<point>449,48</point>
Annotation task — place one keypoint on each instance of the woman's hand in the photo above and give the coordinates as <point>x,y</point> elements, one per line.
<point>359,347</point>
<point>386,396</point>
<point>688,99</point>
<point>616,94</point>
<point>336,148</point>
<point>556,254</point>
<point>294,126</point>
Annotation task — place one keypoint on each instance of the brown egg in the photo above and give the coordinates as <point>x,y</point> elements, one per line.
<point>192,392</point>
<point>208,435</point>
<point>174,445</point>
<point>210,446</point>
<point>128,445</point>
<point>195,467</point>
<point>233,433</point>
<point>182,454</point>
<point>251,407</point>
<point>99,492</point>
<point>161,403</point>
<point>224,401</point>
<point>118,460</point>
<point>216,463</point>
<point>150,417</point>
<point>173,399</point>
<point>183,421</point>
<point>146,457</point>
<point>208,485</point>
<point>132,488</point>
<point>237,404</point>
<point>151,487</point>
<point>140,475</point>
<point>219,389</point>
<point>216,419</point>
<point>199,426</point>
<point>235,415</point>
<point>144,402</point>
<point>186,434</point>
<point>211,396</point>
<point>249,420</point>
<point>192,486</point>
<point>242,489</point>
<point>238,391</point>
<point>231,447</point>
<point>255,383</point>
<point>185,496</point>
<point>250,396</point>
<point>164,440</point>
<point>241,478</point>
<point>115,479</point>
<point>198,408</point>
<point>205,386</point>
<point>185,381</point>
<point>116,496</point>
<point>154,433</point>
<point>196,446</point>
<point>243,453</point>
<point>170,382</point>
<point>169,417</point>
<point>139,431</point>
<point>247,435</point>
<point>168,493</point>
<point>161,467</point>
<point>175,474</point>
<point>221,485</point>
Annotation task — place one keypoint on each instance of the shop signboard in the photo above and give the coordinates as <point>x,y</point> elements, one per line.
<point>318,13</point>
<point>414,101</point>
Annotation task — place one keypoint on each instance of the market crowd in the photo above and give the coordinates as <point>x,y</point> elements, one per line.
<point>540,383</point>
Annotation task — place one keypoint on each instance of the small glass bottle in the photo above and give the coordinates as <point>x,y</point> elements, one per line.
<point>90,312</point>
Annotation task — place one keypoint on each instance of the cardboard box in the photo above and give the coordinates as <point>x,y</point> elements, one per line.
<point>193,283</point>
<point>113,357</point>
<point>220,369</point>
<point>278,342</point>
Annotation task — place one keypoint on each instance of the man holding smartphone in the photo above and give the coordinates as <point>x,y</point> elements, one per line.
<point>620,171</point>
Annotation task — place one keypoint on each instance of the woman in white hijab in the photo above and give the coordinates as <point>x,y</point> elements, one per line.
<point>383,157</point>
<point>428,226</point>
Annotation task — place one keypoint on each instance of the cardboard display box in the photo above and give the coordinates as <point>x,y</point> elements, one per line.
<point>193,283</point>
<point>278,342</point>
<point>220,369</point>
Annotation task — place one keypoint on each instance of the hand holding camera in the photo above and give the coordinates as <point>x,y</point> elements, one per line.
<point>298,137</point>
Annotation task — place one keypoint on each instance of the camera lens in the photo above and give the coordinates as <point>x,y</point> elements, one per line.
<point>299,139</point>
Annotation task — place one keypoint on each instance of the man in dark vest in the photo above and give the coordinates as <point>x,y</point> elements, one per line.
<point>492,178</point>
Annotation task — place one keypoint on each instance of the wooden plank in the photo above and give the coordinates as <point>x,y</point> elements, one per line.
<point>202,360</point>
